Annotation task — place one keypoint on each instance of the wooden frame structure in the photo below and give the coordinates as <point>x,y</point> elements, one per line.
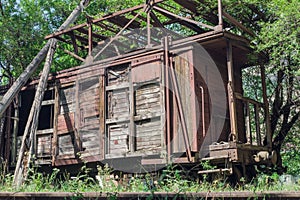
<point>114,59</point>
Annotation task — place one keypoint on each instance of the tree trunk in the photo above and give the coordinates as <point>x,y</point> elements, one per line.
<point>23,78</point>
<point>281,113</point>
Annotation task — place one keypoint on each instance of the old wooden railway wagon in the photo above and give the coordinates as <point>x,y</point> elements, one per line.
<point>146,97</point>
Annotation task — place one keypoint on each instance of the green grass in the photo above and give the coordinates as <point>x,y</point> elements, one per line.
<point>169,180</point>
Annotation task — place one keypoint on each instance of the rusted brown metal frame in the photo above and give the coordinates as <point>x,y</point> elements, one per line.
<point>246,99</point>
<point>82,39</point>
<point>159,9</point>
<point>156,20</point>
<point>107,27</point>
<point>220,14</point>
<point>93,21</point>
<point>100,19</point>
<point>121,23</point>
<point>144,18</point>
<point>139,17</point>
<point>170,6</point>
<point>102,42</point>
<point>192,6</point>
<point>68,42</point>
<point>73,39</point>
<point>174,19</point>
<point>238,24</point>
<point>266,106</point>
<point>129,56</point>
<point>158,23</point>
<point>90,36</point>
<point>231,90</point>
<point>73,55</point>
<point>121,31</point>
<point>123,35</point>
<point>180,112</point>
<point>148,28</point>
<point>128,34</point>
<point>86,32</point>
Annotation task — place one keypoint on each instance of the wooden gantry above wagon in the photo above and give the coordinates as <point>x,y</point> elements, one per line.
<point>134,28</point>
<point>154,86</point>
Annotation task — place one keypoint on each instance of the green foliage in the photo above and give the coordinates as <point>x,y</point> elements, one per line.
<point>170,180</point>
<point>24,25</point>
<point>280,37</point>
<point>291,153</point>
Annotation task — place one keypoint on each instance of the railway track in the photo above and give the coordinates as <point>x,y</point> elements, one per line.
<point>147,195</point>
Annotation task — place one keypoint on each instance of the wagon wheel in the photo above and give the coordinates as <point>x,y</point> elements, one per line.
<point>237,174</point>
<point>251,172</point>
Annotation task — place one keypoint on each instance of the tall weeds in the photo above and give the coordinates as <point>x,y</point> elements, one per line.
<point>171,179</point>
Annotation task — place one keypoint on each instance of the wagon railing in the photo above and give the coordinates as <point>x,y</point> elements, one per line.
<point>253,112</point>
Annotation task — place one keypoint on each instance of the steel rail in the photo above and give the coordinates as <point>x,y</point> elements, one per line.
<point>268,195</point>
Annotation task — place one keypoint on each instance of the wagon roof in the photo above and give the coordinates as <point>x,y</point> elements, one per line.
<point>143,26</point>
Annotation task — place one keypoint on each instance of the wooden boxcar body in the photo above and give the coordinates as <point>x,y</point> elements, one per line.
<point>125,111</point>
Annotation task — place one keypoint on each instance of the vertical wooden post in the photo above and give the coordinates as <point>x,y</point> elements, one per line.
<point>248,123</point>
<point>132,141</point>
<point>167,91</point>
<point>180,112</point>
<point>8,134</point>
<point>231,89</point>
<point>220,13</point>
<point>15,131</point>
<point>102,115</point>
<point>257,124</point>
<point>2,123</point>
<point>148,29</point>
<point>54,143</point>
<point>31,126</point>
<point>163,110</point>
<point>266,107</point>
<point>90,38</point>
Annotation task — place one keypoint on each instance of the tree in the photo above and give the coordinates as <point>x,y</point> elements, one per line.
<point>279,38</point>
<point>276,24</point>
<point>23,29</point>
